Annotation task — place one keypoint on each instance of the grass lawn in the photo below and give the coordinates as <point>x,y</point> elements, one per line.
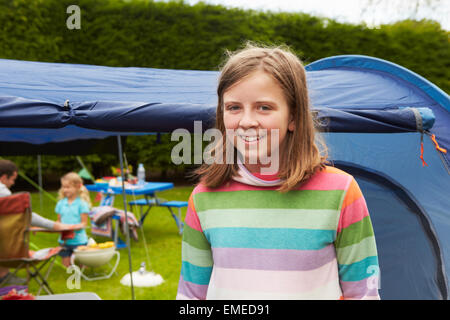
<point>163,243</point>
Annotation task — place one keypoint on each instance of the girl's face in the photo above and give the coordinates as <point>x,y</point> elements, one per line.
<point>252,104</point>
<point>69,189</point>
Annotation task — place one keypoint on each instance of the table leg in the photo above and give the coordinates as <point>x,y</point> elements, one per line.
<point>148,199</point>
<point>177,219</point>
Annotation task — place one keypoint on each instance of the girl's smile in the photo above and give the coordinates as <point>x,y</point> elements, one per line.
<point>255,112</point>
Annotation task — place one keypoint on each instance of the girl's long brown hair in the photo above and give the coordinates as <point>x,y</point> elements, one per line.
<point>302,158</point>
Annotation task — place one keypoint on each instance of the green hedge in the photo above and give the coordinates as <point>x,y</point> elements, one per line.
<point>176,35</point>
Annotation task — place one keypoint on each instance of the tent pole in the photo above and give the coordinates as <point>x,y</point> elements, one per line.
<point>40,182</point>
<point>127,230</point>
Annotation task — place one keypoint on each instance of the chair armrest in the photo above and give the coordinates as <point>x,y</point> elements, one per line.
<point>39,229</point>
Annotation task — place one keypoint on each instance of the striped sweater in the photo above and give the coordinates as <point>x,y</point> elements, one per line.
<point>250,242</point>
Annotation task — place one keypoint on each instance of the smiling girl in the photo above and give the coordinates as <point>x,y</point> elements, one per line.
<point>73,208</point>
<point>299,229</point>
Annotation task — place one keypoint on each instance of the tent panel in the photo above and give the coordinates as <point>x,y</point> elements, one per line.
<point>42,136</point>
<point>441,129</point>
<point>356,81</point>
<point>360,89</point>
<point>123,118</point>
<point>72,147</point>
<point>386,69</point>
<point>351,87</point>
<point>397,156</point>
<point>408,267</point>
<point>58,82</point>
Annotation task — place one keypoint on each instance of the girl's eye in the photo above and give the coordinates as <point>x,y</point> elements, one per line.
<point>265,107</point>
<point>232,107</point>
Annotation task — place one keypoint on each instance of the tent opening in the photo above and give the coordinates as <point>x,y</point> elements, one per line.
<point>411,265</point>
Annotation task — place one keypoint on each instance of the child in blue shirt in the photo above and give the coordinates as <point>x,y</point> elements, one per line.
<point>73,208</point>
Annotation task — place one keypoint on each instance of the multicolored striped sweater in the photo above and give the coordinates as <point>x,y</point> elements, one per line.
<point>251,242</point>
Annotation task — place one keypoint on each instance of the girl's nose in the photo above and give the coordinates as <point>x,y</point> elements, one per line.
<point>248,120</point>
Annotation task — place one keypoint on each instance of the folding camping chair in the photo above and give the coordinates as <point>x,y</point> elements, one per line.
<point>15,218</point>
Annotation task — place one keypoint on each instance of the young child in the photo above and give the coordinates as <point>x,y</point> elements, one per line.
<point>299,231</point>
<point>73,208</point>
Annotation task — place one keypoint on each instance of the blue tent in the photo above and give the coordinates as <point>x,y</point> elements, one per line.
<point>374,115</point>
<point>409,202</point>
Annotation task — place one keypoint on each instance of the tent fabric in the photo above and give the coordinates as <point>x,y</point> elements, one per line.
<point>374,117</point>
<point>397,156</point>
<point>58,82</point>
<point>76,147</point>
<point>357,87</point>
<point>94,118</point>
<point>374,64</point>
<point>52,84</point>
<point>417,249</point>
<point>366,82</point>
<point>169,98</point>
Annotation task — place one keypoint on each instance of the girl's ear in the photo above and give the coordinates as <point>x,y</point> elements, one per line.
<point>291,125</point>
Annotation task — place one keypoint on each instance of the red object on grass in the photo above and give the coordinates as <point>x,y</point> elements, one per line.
<point>14,295</point>
<point>98,197</point>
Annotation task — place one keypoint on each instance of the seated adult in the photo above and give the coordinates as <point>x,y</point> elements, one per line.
<point>8,175</point>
